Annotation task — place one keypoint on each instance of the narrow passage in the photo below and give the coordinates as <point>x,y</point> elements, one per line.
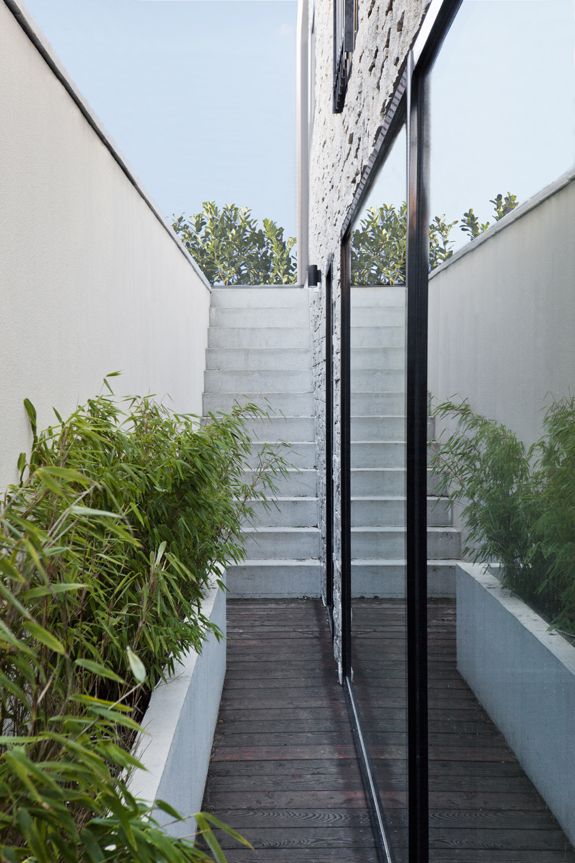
<point>283,769</point>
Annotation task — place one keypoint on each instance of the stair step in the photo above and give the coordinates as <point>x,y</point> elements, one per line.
<point>286,512</point>
<point>377,404</point>
<point>386,578</point>
<point>377,381</point>
<point>291,404</point>
<point>275,578</point>
<point>259,337</point>
<point>246,298</point>
<point>378,295</point>
<point>368,482</point>
<point>389,543</point>
<point>377,358</point>
<point>249,381</point>
<point>296,455</point>
<point>282,543</point>
<point>390,511</point>
<point>285,318</point>
<point>378,454</point>
<point>270,359</point>
<point>374,428</point>
<point>295,483</point>
<point>377,337</point>
<point>379,316</point>
<point>294,429</point>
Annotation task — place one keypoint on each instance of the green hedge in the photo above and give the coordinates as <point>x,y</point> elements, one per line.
<point>123,516</point>
<point>519,502</point>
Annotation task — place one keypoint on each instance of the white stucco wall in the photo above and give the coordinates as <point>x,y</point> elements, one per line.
<point>90,279</point>
<point>502,315</point>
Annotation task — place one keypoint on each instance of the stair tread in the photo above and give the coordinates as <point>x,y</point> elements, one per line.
<point>387,561</point>
<point>400,497</point>
<point>282,499</point>
<point>266,419</point>
<point>288,470</point>
<point>374,469</point>
<point>378,529</point>
<point>384,440</point>
<point>279,529</point>
<point>284,442</point>
<point>279,561</point>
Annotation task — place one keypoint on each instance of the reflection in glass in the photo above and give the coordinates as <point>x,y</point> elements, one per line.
<point>501,380</point>
<point>378,242</point>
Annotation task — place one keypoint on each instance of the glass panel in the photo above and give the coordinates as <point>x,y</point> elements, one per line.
<point>377,314</point>
<point>501,379</point>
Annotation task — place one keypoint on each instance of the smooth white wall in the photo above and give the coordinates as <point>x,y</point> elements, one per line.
<point>502,315</point>
<point>90,280</point>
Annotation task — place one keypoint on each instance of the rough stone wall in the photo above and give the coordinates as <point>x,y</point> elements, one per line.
<point>341,148</point>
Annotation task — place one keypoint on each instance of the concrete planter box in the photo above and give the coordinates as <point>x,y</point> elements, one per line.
<point>524,676</point>
<point>179,727</point>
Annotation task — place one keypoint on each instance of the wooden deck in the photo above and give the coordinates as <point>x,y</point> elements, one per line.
<point>483,809</point>
<point>283,770</point>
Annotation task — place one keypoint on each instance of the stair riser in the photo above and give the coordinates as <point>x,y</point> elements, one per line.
<point>378,454</point>
<point>377,358</point>
<point>257,317</point>
<point>261,298</point>
<point>391,513</point>
<point>378,296</point>
<point>362,316</point>
<point>279,545</point>
<point>258,382</point>
<point>296,456</point>
<point>384,482</point>
<point>290,404</point>
<point>390,545</point>
<point>372,580</point>
<point>251,337</point>
<point>302,512</point>
<point>261,359</point>
<point>294,429</point>
<point>377,337</point>
<point>379,428</point>
<point>293,484</point>
<point>373,404</point>
<point>377,381</point>
<point>278,581</point>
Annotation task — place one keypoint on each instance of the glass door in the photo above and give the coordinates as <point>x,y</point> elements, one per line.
<point>377,314</point>
<point>501,373</point>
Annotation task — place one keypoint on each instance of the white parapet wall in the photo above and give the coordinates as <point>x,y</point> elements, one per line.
<point>179,727</point>
<point>502,314</point>
<point>524,676</point>
<point>91,279</point>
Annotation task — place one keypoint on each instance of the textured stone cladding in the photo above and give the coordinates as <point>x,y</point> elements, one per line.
<point>341,148</point>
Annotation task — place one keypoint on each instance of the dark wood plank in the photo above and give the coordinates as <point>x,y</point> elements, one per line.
<point>284,770</point>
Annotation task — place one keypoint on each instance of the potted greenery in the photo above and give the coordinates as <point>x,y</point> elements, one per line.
<point>516,599</point>
<point>123,518</point>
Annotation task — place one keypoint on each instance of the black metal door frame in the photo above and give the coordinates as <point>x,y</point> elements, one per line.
<point>410,104</point>
<point>329,441</point>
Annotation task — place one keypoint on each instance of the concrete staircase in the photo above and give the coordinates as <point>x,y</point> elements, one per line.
<point>259,350</point>
<point>378,456</point>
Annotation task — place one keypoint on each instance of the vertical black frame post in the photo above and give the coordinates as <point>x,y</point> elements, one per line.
<point>416,473</point>
<point>329,497</point>
<point>345,453</point>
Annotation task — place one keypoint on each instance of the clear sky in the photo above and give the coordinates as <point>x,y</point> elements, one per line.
<point>198,95</point>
